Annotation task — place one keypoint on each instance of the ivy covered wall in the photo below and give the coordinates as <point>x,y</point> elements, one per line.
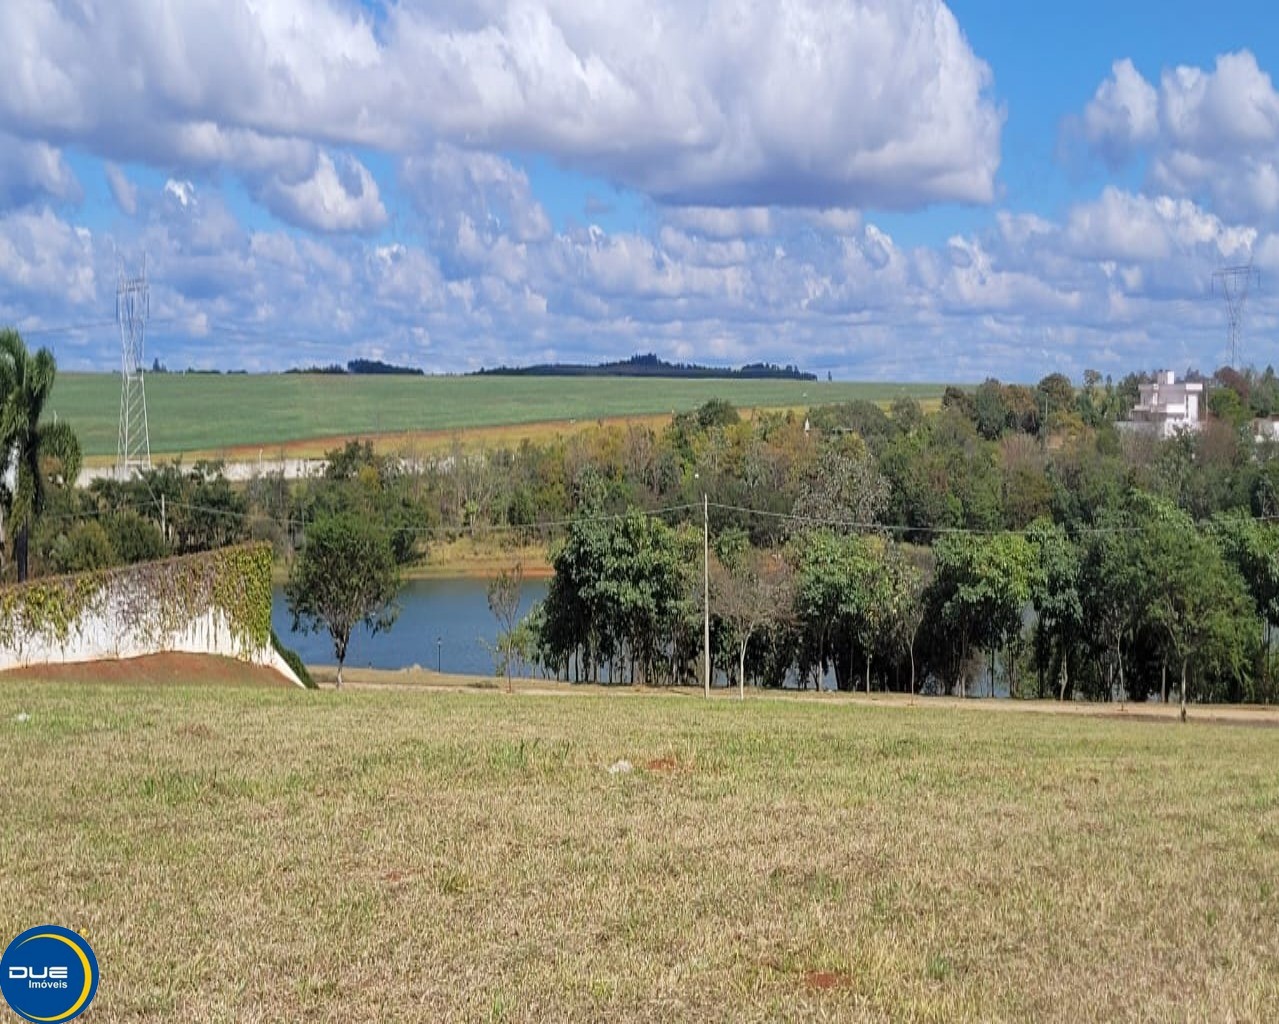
<point>217,602</point>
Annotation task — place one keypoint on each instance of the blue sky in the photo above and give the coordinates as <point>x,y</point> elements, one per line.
<point>885,189</point>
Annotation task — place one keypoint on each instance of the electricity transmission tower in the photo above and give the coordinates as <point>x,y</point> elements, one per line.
<point>132,309</point>
<point>1235,283</point>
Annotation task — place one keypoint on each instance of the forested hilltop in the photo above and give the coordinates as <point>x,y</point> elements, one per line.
<point>651,366</point>
<point>1013,537</point>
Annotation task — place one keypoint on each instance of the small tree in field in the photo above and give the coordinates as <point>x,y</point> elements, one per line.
<point>344,575</point>
<point>504,602</point>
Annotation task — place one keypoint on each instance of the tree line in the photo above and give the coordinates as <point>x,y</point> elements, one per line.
<point>1145,603</point>
<point>1012,538</point>
<point>650,365</point>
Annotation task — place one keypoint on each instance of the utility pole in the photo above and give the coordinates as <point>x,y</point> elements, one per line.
<point>706,588</point>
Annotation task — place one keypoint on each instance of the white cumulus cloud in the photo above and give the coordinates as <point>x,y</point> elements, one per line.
<point>813,103</point>
<point>34,171</point>
<point>339,195</point>
<point>1123,115</point>
<point>1145,229</point>
<point>447,183</point>
<point>1211,134</point>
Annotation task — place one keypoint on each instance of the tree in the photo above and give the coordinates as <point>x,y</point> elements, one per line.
<point>26,381</point>
<point>913,577</point>
<point>344,575</point>
<point>716,413</point>
<point>360,481</point>
<point>827,598</point>
<point>647,574</point>
<point>85,548</point>
<point>865,419</point>
<point>907,414</point>
<point>1252,547</point>
<point>880,591</point>
<point>850,592</point>
<point>1111,593</point>
<point>1227,406</point>
<point>1189,591</point>
<point>980,588</point>
<point>1055,595</point>
<point>843,487</point>
<point>133,539</point>
<point>504,592</point>
<point>990,410</point>
<point>919,474</point>
<point>1265,393</point>
<point>214,516</point>
<point>1056,393</point>
<point>620,592</point>
<point>751,591</point>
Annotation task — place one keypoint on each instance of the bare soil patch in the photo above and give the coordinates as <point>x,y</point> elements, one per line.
<point>824,981</point>
<point>155,670</point>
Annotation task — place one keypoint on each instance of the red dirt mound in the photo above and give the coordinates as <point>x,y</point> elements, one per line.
<point>154,670</point>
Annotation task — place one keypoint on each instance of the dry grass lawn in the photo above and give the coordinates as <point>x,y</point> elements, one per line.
<point>247,854</point>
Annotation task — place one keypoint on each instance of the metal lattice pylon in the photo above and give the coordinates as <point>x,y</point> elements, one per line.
<point>1235,283</point>
<point>132,309</point>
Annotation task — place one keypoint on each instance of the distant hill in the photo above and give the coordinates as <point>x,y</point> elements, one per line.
<point>651,366</point>
<point>370,367</point>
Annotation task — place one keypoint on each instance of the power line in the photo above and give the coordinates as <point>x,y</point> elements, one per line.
<point>89,325</point>
<point>874,527</point>
<point>92,513</point>
<point>547,525</point>
<point>879,527</point>
<point>542,526</point>
<point>207,328</point>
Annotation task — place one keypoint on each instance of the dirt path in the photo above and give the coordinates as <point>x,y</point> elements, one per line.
<point>195,670</point>
<point>1200,714</point>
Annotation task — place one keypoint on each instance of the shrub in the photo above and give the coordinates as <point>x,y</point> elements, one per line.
<point>84,549</point>
<point>134,539</point>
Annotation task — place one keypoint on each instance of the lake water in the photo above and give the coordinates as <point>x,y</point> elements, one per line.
<point>455,612</point>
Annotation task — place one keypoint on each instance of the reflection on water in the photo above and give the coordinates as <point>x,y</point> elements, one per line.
<point>455,612</point>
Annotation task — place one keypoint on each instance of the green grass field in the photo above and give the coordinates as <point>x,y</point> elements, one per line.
<point>198,412</point>
<point>244,854</point>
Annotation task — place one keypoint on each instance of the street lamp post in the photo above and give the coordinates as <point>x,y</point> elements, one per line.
<point>439,655</point>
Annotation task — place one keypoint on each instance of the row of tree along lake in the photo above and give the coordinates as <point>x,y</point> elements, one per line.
<point>1013,537</point>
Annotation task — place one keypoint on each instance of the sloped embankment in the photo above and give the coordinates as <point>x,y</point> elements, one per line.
<point>214,603</point>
